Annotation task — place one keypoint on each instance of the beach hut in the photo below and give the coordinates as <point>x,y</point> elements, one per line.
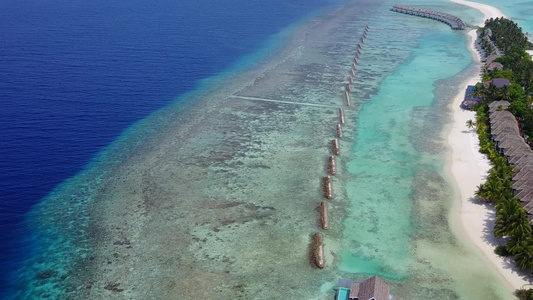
<point>491,58</point>
<point>495,66</point>
<point>498,105</point>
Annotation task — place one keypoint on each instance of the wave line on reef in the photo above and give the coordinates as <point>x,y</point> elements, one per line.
<point>282,101</point>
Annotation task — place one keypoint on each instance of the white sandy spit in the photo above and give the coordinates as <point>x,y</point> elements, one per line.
<point>469,168</point>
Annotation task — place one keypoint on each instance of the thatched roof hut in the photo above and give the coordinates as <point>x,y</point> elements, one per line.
<point>493,106</point>
<point>495,66</point>
<point>506,134</point>
<point>520,173</point>
<point>508,144</point>
<point>491,58</point>
<point>519,151</point>
<point>519,159</point>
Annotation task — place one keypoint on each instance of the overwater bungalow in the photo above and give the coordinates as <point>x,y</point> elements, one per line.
<point>371,289</point>
<point>454,22</point>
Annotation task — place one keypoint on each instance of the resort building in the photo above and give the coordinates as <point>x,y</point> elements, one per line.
<point>489,45</point>
<point>470,100</point>
<point>497,83</point>
<point>507,136</point>
<point>371,289</point>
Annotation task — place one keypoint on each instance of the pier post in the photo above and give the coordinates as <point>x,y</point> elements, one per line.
<point>324,218</point>
<point>339,131</point>
<point>348,87</point>
<point>341,115</point>
<point>350,79</point>
<point>317,249</point>
<point>328,187</point>
<point>356,61</point>
<point>353,72</point>
<point>347,97</point>
<point>332,168</point>
<point>335,147</point>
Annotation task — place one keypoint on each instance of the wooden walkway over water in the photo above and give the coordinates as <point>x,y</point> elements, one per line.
<point>454,22</point>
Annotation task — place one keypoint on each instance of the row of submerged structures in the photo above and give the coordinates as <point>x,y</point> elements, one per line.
<point>373,287</point>
<point>317,242</point>
<point>507,136</point>
<point>454,22</point>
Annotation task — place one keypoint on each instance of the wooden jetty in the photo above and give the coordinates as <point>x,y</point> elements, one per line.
<point>454,22</point>
<point>327,186</point>
<point>332,169</point>
<point>335,147</point>
<point>323,211</point>
<point>317,251</point>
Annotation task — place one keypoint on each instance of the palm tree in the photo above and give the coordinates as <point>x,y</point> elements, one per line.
<point>492,190</point>
<point>504,93</point>
<point>470,124</point>
<point>524,258</point>
<point>512,219</point>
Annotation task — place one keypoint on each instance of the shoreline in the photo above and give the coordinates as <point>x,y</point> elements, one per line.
<point>469,169</point>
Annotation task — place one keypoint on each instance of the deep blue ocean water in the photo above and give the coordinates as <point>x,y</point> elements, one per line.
<point>75,74</point>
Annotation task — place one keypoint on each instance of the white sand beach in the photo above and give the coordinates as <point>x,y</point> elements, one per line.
<point>469,168</point>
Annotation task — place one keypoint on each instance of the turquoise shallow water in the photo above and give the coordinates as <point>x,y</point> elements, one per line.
<point>394,226</point>
<point>229,186</point>
<point>386,162</point>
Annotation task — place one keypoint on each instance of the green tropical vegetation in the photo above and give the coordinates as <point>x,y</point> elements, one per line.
<point>524,294</point>
<point>518,68</point>
<point>512,221</point>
